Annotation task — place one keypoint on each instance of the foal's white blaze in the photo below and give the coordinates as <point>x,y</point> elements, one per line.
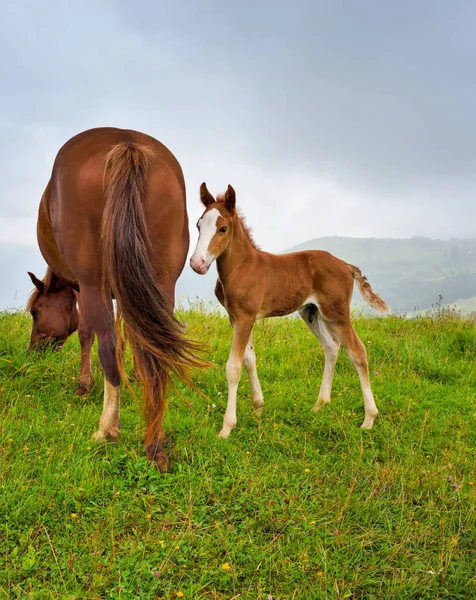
<point>202,259</point>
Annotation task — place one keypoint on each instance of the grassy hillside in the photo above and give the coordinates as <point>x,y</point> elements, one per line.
<point>409,273</point>
<point>293,505</point>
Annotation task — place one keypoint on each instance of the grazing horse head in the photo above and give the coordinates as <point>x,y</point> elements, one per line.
<point>215,228</point>
<point>53,308</point>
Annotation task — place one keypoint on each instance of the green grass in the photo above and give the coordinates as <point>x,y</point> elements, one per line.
<point>298,505</point>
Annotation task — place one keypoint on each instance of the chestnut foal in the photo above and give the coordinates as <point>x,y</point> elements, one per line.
<point>253,284</point>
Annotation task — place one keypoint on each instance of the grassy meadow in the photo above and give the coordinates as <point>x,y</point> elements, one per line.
<point>294,505</point>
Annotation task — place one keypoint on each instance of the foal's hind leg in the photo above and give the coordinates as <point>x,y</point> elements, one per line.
<point>330,344</point>
<point>101,317</point>
<point>250,366</point>
<point>358,355</point>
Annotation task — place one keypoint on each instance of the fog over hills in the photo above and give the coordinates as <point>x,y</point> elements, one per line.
<point>410,274</point>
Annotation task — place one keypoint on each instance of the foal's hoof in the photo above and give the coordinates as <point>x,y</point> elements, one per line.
<point>368,423</point>
<point>319,404</point>
<point>226,430</point>
<point>81,390</point>
<point>258,411</point>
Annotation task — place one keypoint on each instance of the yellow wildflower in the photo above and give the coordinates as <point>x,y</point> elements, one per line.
<point>226,566</point>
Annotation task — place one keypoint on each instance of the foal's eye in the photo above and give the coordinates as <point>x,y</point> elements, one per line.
<point>33,313</point>
<point>224,229</point>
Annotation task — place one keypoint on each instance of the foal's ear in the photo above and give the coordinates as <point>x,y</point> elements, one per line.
<point>40,286</point>
<point>230,199</point>
<point>205,195</point>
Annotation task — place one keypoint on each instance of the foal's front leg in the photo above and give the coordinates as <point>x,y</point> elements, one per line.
<point>250,366</point>
<point>241,334</point>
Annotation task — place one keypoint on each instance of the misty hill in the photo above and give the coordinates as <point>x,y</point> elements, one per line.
<point>410,274</point>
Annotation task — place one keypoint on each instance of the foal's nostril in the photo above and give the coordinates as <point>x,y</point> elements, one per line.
<point>198,263</point>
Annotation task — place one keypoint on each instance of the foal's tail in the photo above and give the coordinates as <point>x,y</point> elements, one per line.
<point>155,336</point>
<point>367,292</point>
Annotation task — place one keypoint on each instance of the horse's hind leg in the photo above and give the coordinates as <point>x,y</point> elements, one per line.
<point>249,360</point>
<point>358,355</point>
<point>101,318</point>
<point>330,344</point>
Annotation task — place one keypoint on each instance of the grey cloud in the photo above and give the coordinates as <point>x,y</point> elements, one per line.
<point>274,97</point>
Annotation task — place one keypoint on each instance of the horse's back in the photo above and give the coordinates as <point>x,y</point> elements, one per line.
<point>75,203</point>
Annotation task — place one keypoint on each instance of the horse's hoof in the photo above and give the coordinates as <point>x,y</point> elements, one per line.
<point>258,411</point>
<point>99,436</point>
<point>160,460</point>
<point>81,390</point>
<point>104,436</point>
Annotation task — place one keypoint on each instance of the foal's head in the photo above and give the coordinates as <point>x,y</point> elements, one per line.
<point>53,308</point>
<point>215,228</point>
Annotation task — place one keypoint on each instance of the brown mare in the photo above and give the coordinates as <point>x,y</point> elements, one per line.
<point>253,284</point>
<point>113,223</point>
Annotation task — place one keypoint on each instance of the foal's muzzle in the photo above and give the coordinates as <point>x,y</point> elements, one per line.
<point>199,265</point>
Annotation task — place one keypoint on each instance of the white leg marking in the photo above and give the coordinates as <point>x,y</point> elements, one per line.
<point>330,345</point>
<point>250,366</point>
<point>109,423</point>
<point>331,351</point>
<point>233,374</point>
<point>370,407</point>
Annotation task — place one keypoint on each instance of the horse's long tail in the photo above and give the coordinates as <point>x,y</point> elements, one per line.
<point>158,345</point>
<point>372,299</point>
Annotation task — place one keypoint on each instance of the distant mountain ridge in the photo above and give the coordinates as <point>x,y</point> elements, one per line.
<point>411,273</point>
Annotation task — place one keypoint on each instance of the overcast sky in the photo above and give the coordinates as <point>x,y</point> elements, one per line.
<point>352,118</point>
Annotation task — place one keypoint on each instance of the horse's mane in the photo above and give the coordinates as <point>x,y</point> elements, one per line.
<point>246,228</point>
<point>47,280</point>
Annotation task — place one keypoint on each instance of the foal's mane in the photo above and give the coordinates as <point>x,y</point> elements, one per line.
<point>47,280</point>
<point>241,219</point>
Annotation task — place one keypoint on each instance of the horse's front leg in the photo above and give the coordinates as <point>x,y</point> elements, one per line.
<point>241,334</point>
<point>86,339</point>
